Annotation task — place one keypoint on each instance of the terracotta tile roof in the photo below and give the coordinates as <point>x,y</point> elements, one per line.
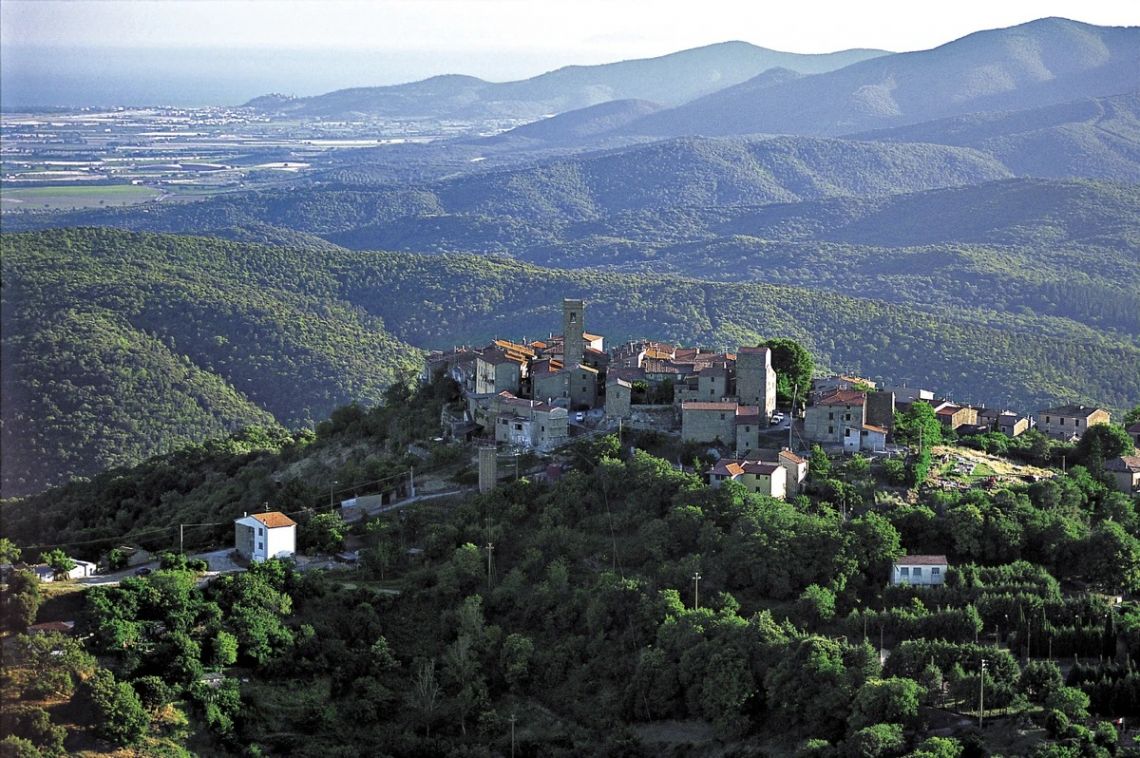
<point>759,467</point>
<point>873,428</point>
<point>788,455</point>
<point>753,350</point>
<point>947,410</point>
<point>1125,463</point>
<point>52,626</point>
<point>704,406</point>
<point>728,467</point>
<point>512,347</point>
<point>843,397</point>
<point>591,337</point>
<point>274,519</point>
<point>921,560</point>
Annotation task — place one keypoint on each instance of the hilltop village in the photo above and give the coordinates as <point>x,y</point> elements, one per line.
<point>536,395</point>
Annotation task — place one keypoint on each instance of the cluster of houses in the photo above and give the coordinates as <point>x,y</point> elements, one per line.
<point>529,395</point>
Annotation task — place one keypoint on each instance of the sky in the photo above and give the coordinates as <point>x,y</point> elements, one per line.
<point>212,50</point>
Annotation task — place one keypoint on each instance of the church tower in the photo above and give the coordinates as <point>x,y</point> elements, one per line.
<point>573,327</point>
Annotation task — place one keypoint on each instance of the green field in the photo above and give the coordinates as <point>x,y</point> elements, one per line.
<point>59,198</point>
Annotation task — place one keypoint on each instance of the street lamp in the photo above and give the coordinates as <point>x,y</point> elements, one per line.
<point>696,590</point>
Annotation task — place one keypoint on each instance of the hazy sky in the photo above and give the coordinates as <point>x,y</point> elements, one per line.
<point>606,28</point>
<point>402,40</point>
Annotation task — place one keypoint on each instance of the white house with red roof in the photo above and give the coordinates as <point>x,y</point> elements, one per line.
<point>919,569</point>
<point>770,479</point>
<point>261,536</point>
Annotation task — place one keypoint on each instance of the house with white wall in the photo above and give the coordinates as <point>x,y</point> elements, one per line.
<point>261,536</point>
<point>919,569</point>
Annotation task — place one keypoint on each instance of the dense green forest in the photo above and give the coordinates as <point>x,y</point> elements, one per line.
<point>184,329</point>
<point>627,609</point>
<point>117,346</point>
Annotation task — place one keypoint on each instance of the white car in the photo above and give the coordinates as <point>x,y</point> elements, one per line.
<point>777,418</point>
<point>580,417</point>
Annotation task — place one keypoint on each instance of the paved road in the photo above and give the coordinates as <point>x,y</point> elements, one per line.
<point>218,560</point>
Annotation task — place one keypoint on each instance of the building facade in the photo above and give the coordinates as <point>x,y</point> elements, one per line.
<point>1069,422</point>
<point>919,569</point>
<point>261,536</point>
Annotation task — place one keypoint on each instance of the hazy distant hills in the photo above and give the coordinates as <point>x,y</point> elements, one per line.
<point>1095,137</point>
<point>673,173</point>
<point>669,79</point>
<point>577,126</point>
<point>118,345</point>
<point>1040,63</point>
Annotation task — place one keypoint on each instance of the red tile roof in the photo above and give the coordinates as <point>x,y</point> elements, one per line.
<point>843,397</point>
<point>703,406</point>
<point>274,519</point>
<point>921,560</point>
<point>789,455</point>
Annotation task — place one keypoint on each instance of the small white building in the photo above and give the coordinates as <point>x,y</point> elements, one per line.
<point>261,536</point>
<point>80,570</point>
<point>919,569</point>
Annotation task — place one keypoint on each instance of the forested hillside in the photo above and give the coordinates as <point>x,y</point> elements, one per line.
<point>186,329</point>
<point>117,346</point>
<point>1095,137</point>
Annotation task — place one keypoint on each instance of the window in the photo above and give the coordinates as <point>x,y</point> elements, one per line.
<point>722,417</point>
<point>831,430</point>
<point>863,433</point>
<point>847,417</point>
<point>1062,421</point>
<point>830,416</point>
<point>917,572</point>
<point>573,317</point>
<point>518,427</point>
<point>1076,422</point>
<point>260,545</point>
<point>935,572</point>
<point>747,429</point>
<point>904,572</point>
<point>260,531</point>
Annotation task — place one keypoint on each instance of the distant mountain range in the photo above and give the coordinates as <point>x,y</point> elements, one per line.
<point>1037,64</point>
<point>669,80</point>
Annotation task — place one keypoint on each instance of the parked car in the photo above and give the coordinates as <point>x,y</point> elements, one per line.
<point>142,571</point>
<point>777,418</point>
<point>580,416</point>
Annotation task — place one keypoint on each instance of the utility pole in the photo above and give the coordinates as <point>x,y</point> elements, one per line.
<point>181,534</point>
<point>332,486</point>
<point>490,552</point>
<point>696,590</point>
<point>982,693</point>
<point>792,416</point>
<point>513,719</point>
<point>881,657</point>
<point>412,482</point>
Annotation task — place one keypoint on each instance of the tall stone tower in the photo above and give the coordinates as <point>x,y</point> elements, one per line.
<point>756,379</point>
<point>573,327</point>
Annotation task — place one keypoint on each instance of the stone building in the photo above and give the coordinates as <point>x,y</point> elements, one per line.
<point>619,398</point>
<point>1069,422</point>
<point>756,379</point>
<point>829,420</point>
